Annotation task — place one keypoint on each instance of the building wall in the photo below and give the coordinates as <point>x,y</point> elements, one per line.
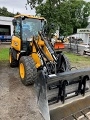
<point>7,21</point>
<point>83,36</point>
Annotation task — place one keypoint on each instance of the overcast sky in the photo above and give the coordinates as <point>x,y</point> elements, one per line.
<point>18,6</point>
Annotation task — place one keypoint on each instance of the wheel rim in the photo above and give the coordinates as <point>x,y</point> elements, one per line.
<point>22,70</point>
<point>10,59</point>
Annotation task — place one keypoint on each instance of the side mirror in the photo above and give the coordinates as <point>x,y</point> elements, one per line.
<point>14,22</point>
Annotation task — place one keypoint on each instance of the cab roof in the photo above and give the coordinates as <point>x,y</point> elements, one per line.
<point>29,16</point>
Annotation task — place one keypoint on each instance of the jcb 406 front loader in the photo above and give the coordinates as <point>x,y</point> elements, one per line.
<point>55,83</point>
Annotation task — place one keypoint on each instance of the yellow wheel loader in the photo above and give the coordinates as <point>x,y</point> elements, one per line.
<point>62,93</point>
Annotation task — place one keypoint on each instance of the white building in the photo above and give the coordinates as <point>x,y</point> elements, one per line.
<point>6,27</point>
<point>83,33</point>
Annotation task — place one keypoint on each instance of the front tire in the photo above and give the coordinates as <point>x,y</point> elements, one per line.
<point>63,64</point>
<point>66,63</point>
<point>27,70</point>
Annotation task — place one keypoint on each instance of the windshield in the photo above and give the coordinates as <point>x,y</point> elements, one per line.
<point>30,27</point>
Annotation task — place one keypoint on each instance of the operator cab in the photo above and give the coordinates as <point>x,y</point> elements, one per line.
<point>25,27</point>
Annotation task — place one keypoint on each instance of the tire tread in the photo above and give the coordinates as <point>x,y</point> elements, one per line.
<point>30,70</point>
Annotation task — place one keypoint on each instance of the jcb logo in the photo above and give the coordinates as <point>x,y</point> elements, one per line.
<point>16,43</point>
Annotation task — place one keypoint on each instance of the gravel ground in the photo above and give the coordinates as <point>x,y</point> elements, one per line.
<point>5,45</point>
<point>17,102</point>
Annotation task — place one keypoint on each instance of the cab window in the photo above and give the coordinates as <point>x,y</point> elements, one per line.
<point>17,29</point>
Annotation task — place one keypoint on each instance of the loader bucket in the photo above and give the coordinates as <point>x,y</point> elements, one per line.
<point>63,96</point>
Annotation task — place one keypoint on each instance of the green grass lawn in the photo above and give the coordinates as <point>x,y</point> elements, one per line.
<point>4,54</point>
<point>77,60</point>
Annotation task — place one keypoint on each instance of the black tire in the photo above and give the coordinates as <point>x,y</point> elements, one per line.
<point>13,62</point>
<point>30,70</point>
<point>68,65</point>
<point>64,64</point>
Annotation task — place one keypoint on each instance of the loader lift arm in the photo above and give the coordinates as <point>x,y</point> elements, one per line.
<point>44,52</point>
<point>55,62</point>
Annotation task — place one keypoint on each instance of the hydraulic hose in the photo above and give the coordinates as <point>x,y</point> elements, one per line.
<point>48,46</point>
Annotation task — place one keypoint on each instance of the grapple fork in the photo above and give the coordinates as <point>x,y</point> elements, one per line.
<point>61,87</point>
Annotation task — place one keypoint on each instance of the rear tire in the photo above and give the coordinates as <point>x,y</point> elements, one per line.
<point>27,70</point>
<point>13,62</point>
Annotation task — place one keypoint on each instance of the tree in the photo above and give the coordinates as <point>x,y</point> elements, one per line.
<point>79,12</point>
<point>68,15</point>
<point>5,12</point>
<point>33,3</point>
